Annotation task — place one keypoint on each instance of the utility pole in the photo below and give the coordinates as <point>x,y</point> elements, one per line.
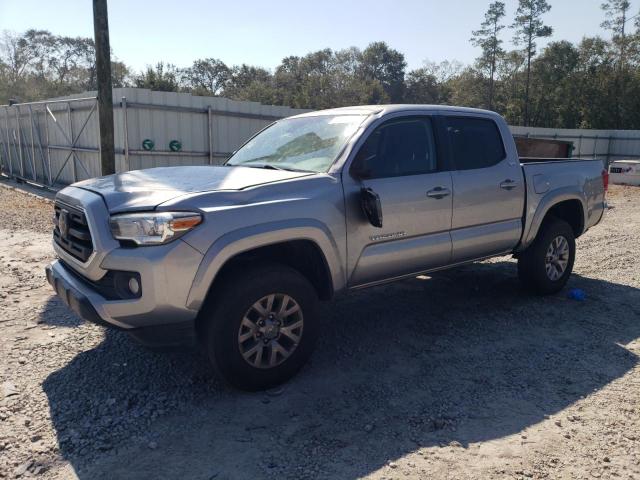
<point>105,92</point>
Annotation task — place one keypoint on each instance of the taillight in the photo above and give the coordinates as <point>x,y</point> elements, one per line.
<point>605,179</point>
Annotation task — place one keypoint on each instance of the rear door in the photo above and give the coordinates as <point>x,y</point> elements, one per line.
<point>488,186</point>
<point>399,161</point>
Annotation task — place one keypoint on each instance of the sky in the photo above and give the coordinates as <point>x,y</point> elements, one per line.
<point>262,32</point>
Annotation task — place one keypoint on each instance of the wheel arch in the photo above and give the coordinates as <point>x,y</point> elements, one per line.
<point>569,206</point>
<point>308,248</point>
<point>571,211</point>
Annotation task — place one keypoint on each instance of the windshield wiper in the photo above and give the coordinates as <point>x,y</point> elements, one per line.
<point>270,166</point>
<point>288,169</point>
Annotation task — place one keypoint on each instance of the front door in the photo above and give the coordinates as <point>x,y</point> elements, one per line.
<point>400,163</point>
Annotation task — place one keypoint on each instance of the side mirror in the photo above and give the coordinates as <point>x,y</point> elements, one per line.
<point>371,206</point>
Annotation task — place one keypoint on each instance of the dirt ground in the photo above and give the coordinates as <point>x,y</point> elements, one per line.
<point>459,375</point>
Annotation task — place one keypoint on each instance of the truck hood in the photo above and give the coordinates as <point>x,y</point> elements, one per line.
<point>146,189</point>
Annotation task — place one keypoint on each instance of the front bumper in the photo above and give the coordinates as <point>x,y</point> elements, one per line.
<point>71,295</point>
<point>147,318</point>
<point>166,273</point>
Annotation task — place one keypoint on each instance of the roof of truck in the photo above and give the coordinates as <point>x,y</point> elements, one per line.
<point>384,109</point>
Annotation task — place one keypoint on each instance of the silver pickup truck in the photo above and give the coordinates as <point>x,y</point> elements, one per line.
<point>237,256</point>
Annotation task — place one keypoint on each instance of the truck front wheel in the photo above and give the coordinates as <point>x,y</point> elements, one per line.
<point>546,265</point>
<point>261,326</point>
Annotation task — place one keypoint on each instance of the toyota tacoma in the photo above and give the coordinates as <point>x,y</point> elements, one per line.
<point>236,257</point>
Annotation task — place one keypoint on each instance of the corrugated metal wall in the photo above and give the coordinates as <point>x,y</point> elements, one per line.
<point>185,118</point>
<point>65,146</point>
<point>609,145</point>
<point>56,141</point>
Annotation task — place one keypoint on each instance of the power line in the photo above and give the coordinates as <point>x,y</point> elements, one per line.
<point>631,18</point>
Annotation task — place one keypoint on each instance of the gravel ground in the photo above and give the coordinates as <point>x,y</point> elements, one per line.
<point>459,375</point>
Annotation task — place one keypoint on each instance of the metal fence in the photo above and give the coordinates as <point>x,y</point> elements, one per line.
<point>56,142</point>
<point>39,142</point>
<point>608,145</point>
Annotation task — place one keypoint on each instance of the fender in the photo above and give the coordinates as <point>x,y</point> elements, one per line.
<point>537,211</point>
<point>261,235</point>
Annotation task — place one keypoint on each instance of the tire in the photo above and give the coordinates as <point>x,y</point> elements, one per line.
<point>533,268</point>
<point>232,326</point>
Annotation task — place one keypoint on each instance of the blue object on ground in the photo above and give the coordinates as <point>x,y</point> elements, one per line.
<point>577,294</point>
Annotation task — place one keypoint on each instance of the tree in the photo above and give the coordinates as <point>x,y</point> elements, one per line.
<point>467,89</point>
<point>17,54</point>
<point>595,81</point>
<point>206,76</point>
<point>433,83</point>
<point>555,86</point>
<point>528,27</point>
<point>423,87</point>
<point>616,18</point>
<point>445,70</point>
<point>70,63</point>
<point>565,85</point>
<point>487,39</point>
<point>287,81</point>
<point>350,87</point>
<point>325,79</point>
<point>387,66</point>
<point>250,83</point>
<point>509,91</point>
<point>120,74</point>
<point>317,69</point>
<point>163,78</point>
<point>40,64</point>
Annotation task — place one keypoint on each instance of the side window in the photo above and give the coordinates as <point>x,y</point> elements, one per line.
<point>474,142</point>
<point>399,147</point>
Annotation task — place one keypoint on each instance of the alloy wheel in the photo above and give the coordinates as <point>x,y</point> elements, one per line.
<point>270,330</point>
<point>557,258</point>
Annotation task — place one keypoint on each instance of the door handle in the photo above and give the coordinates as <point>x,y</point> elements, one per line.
<point>438,192</point>
<point>508,184</point>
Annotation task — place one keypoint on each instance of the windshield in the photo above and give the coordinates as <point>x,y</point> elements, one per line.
<point>306,143</point>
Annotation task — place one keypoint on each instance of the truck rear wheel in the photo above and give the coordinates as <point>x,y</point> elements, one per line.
<point>546,265</point>
<point>261,326</point>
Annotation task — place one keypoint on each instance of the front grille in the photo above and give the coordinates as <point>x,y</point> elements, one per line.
<point>71,231</point>
<point>616,170</point>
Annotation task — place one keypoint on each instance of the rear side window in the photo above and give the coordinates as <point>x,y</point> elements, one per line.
<point>399,147</point>
<point>474,142</point>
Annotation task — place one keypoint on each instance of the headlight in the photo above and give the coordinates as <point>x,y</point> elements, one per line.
<point>153,228</point>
